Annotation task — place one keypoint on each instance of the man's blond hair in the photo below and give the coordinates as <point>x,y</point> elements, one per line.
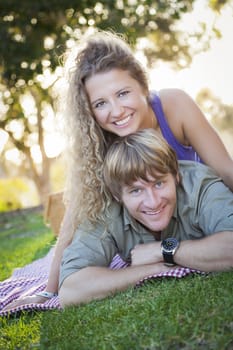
<point>136,156</point>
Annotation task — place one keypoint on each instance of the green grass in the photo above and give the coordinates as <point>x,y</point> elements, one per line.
<point>195,312</point>
<point>23,239</point>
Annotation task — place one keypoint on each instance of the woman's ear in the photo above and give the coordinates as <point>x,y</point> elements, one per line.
<point>177,178</point>
<point>117,199</point>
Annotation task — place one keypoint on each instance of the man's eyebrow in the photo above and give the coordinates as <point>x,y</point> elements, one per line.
<point>128,186</point>
<point>154,178</point>
<point>157,176</point>
<point>160,177</point>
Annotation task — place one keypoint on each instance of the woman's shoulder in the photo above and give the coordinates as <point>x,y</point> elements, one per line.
<point>175,103</point>
<point>173,95</point>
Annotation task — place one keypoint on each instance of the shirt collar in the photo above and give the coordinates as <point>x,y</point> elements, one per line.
<point>170,230</point>
<point>130,221</point>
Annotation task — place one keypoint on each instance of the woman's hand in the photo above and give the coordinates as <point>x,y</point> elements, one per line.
<point>36,299</point>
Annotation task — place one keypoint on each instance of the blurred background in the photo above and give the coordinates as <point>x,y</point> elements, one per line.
<point>184,43</point>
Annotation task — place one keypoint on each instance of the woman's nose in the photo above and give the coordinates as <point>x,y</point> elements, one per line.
<point>116,109</point>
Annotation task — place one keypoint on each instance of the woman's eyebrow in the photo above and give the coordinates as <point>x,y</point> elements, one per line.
<point>97,100</point>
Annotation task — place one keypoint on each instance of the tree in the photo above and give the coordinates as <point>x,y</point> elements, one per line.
<point>220,115</point>
<point>35,33</point>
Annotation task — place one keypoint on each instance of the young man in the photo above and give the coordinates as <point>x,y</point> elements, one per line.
<point>165,214</point>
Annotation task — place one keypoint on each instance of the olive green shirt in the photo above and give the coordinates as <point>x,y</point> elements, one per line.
<point>204,207</point>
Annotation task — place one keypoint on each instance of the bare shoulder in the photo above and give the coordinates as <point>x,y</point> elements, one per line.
<point>174,97</point>
<point>178,107</point>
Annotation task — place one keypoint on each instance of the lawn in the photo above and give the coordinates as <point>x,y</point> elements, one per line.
<point>195,312</point>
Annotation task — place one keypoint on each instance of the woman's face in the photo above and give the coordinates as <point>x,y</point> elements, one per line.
<point>118,102</point>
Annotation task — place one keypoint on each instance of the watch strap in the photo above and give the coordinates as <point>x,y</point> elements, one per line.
<point>168,258</point>
<point>169,247</point>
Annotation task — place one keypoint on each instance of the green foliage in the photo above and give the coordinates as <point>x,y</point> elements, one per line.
<point>11,191</point>
<point>220,115</point>
<point>216,5</point>
<point>216,110</point>
<point>26,27</point>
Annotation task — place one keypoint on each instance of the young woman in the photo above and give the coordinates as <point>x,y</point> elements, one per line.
<point>108,96</point>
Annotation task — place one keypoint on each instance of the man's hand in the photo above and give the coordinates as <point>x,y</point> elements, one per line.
<point>144,254</point>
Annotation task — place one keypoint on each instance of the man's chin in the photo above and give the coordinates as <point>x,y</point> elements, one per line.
<point>153,228</point>
<point>156,227</point>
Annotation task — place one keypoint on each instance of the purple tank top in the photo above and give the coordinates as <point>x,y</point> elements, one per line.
<point>182,152</point>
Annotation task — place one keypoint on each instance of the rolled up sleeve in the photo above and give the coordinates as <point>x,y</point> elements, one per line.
<point>216,209</point>
<point>88,248</point>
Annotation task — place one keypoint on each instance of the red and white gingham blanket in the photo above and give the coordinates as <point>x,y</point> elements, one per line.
<point>32,279</point>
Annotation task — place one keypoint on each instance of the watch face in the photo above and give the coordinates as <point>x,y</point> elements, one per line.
<point>169,244</point>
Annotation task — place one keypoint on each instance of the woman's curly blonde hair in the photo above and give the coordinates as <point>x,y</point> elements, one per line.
<point>87,142</point>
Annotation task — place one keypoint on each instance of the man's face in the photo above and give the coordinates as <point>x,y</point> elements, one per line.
<point>151,202</point>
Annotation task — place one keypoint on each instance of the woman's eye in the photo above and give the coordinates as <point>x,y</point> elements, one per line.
<point>99,104</point>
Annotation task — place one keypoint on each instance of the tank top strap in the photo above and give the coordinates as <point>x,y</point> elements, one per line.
<point>183,152</point>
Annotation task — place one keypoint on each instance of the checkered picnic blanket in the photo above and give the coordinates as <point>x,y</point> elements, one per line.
<point>33,278</point>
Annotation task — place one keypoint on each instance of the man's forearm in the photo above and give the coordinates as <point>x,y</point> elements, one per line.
<point>212,253</point>
<point>99,282</point>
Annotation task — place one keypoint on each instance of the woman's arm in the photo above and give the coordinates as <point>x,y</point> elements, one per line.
<point>190,127</point>
<point>64,238</point>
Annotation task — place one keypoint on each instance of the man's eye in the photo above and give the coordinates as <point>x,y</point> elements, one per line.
<point>123,93</point>
<point>135,191</point>
<point>159,184</point>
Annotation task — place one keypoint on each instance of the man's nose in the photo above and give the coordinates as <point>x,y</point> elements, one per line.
<point>151,199</point>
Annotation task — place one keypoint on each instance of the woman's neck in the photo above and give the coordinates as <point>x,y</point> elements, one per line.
<point>152,120</point>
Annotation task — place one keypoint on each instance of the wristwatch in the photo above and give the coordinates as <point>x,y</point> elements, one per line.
<point>168,248</point>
